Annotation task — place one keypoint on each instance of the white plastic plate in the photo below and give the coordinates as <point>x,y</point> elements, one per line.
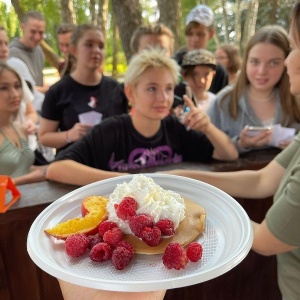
<point>226,241</point>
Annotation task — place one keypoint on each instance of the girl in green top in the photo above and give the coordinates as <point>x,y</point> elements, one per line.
<point>16,158</point>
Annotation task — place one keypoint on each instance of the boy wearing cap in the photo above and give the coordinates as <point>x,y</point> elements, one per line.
<point>199,29</point>
<point>198,70</point>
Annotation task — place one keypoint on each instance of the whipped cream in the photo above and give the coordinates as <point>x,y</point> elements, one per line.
<point>151,198</point>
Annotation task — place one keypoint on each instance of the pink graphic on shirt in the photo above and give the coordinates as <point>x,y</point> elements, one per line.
<point>93,102</point>
<point>144,157</point>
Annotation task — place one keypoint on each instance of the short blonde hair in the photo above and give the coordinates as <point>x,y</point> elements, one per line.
<point>150,58</point>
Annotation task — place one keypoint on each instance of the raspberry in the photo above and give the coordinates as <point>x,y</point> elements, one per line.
<point>127,246</point>
<point>113,237</point>
<point>93,240</point>
<point>105,226</point>
<point>100,252</point>
<point>76,244</point>
<point>121,257</point>
<point>127,208</point>
<point>166,227</point>
<point>151,236</point>
<point>194,251</point>
<point>139,222</point>
<point>175,257</point>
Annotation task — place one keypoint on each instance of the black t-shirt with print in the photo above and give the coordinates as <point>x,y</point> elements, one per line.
<point>115,145</point>
<point>66,99</point>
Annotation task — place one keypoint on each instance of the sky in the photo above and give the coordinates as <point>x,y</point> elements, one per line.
<point>7,2</point>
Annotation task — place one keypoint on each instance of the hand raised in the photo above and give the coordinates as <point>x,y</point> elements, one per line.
<point>196,118</point>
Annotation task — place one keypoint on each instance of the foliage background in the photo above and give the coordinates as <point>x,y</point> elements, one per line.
<point>228,15</point>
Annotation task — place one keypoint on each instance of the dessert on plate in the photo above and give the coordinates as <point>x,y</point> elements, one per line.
<point>187,216</point>
<point>138,217</point>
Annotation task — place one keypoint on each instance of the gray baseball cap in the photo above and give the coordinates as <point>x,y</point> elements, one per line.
<point>201,14</point>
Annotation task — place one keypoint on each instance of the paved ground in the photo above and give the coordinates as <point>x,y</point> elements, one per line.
<point>51,75</point>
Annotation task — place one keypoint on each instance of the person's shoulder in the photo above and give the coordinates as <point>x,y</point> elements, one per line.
<point>178,55</point>
<point>16,62</point>
<point>224,92</point>
<point>109,80</point>
<point>211,96</point>
<point>15,44</point>
<point>38,50</point>
<point>181,51</point>
<point>21,68</point>
<point>117,121</point>
<point>221,99</point>
<point>220,68</point>
<point>64,84</point>
<point>123,118</point>
<point>65,80</point>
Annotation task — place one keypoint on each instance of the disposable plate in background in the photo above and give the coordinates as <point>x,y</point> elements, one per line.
<point>226,241</point>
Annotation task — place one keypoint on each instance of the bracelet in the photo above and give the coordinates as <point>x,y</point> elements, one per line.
<point>68,140</point>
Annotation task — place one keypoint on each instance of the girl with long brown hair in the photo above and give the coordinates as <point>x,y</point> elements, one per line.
<point>261,95</point>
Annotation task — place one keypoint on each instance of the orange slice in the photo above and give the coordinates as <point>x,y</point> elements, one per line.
<point>94,212</point>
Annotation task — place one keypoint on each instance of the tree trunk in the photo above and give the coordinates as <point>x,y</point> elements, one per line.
<point>237,24</point>
<point>51,56</point>
<point>128,17</point>
<point>274,12</point>
<point>225,20</point>
<point>115,50</point>
<point>67,11</point>
<point>93,14</point>
<point>250,23</point>
<point>170,15</point>
<point>103,16</point>
<point>18,8</point>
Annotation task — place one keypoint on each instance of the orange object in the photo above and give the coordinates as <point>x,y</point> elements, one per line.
<point>6,184</point>
<point>93,209</point>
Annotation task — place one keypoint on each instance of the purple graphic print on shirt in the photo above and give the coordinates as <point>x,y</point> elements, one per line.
<point>144,157</point>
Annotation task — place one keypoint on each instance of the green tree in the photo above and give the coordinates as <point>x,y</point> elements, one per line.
<point>232,19</point>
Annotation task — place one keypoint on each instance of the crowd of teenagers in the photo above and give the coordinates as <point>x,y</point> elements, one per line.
<point>190,105</point>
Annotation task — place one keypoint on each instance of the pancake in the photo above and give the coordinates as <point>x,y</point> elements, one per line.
<point>190,227</point>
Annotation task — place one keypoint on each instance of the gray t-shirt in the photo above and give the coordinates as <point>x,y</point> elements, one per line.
<point>283,220</point>
<point>33,58</point>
